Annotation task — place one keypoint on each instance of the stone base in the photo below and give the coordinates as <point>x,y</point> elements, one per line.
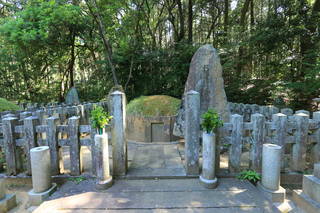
<point>36,199</point>
<point>277,196</point>
<point>102,185</point>
<point>209,184</point>
<point>311,187</point>
<point>305,202</point>
<point>7,203</point>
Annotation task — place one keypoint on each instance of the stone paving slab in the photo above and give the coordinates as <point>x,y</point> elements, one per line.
<point>184,210</point>
<point>184,195</point>
<point>156,160</point>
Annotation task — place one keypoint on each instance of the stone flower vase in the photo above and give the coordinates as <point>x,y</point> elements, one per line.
<point>104,179</point>
<point>208,178</point>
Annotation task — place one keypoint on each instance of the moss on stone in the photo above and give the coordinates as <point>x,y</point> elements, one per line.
<point>156,105</point>
<point>6,105</point>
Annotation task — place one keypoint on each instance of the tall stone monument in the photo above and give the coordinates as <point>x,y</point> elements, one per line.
<point>205,77</point>
<point>72,97</point>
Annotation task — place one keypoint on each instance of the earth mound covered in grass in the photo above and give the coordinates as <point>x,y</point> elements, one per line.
<point>6,105</point>
<point>156,105</point>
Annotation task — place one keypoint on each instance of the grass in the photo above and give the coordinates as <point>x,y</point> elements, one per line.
<point>6,105</point>
<point>156,105</point>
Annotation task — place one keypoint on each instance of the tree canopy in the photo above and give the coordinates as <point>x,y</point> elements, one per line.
<point>269,49</point>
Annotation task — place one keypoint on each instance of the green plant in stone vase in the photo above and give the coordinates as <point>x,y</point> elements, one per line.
<point>99,118</point>
<point>210,121</point>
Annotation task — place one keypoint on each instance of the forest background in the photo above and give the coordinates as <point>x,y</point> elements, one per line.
<point>269,49</point>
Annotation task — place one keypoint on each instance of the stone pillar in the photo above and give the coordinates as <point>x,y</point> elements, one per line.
<point>102,162</point>
<point>208,177</point>
<point>41,175</point>
<point>270,181</point>
<point>118,133</point>
<point>192,131</point>
<point>7,201</point>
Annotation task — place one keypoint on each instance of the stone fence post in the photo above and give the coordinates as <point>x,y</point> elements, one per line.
<point>52,139</point>
<point>31,139</point>
<point>9,143</point>
<point>236,143</point>
<point>258,139</point>
<point>299,148</point>
<point>74,138</point>
<point>192,131</point>
<point>280,123</point>
<point>118,133</point>
<point>316,148</point>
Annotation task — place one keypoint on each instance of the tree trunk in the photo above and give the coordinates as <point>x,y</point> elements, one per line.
<point>181,19</point>
<point>190,21</point>
<point>107,46</point>
<point>241,52</point>
<point>226,17</point>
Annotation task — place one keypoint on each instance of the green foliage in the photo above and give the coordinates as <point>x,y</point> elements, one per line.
<point>77,180</point>
<point>99,118</point>
<point>211,121</point>
<point>249,175</point>
<point>6,105</point>
<point>157,105</point>
<point>271,57</point>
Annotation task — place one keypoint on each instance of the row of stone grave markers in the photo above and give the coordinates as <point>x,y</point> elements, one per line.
<point>63,112</point>
<point>246,110</point>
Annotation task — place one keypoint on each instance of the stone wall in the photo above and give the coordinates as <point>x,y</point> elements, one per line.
<point>150,129</point>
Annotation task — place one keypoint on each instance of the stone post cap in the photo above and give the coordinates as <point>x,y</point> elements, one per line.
<point>316,170</point>
<point>31,117</point>
<point>39,149</point>
<point>279,115</point>
<point>236,115</point>
<point>192,92</point>
<point>74,118</point>
<point>9,118</point>
<point>302,114</point>
<point>117,93</point>
<point>257,115</point>
<point>271,146</point>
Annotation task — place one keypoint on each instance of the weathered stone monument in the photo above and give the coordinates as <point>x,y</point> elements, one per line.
<point>205,77</point>
<point>72,96</point>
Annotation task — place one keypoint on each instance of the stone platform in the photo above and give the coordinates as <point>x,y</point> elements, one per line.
<point>163,195</point>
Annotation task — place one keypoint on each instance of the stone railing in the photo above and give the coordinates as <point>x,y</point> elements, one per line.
<point>19,136</point>
<point>58,127</point>
<point>297,134</point>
